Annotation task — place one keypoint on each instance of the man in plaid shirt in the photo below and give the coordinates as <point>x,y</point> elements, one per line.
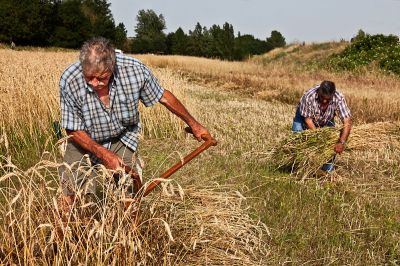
<point>99,98</point>
<point>318,107</point>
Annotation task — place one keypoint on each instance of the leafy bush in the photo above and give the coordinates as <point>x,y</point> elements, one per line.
<point>364,50</point>
<point>391,62</point>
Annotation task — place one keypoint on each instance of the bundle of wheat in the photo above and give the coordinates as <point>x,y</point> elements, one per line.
<point>208,225</point>
<point>304,153</point>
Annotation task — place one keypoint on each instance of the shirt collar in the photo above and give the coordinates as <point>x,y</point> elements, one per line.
<point>115,75</point>
<point>87,85</point>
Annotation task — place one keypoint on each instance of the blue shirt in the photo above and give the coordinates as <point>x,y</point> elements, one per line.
<point>81,108</point>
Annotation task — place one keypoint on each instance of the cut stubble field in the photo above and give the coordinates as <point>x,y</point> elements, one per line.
<point>240,207</point>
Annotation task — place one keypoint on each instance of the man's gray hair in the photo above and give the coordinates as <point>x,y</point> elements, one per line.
<point>97,54</point>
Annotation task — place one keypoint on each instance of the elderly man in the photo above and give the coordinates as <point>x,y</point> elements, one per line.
<point>100,96</point>
<point>317,108</point>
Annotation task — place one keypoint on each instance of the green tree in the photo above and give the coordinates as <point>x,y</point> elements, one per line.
<point>27,22</point>
<point>216,41</point>
<point>246,45</point>
<point>276,40</point>
<point>120,39</point>
<point>208,47</point>
<point>196,41</point>
<point>150,37</point>
<point>101,20</point>
<point>222,41</point>
<point>360,35</point>
<point>178,42</point>
<point>73,27</point>
<point>65,23</point>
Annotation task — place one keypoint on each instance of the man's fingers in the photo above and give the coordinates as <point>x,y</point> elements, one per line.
<point>199,133</point>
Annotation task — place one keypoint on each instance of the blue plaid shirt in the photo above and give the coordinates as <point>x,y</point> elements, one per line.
<point>81,108</point>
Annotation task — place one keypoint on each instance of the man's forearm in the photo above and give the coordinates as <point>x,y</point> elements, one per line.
<point>87,143</point>
<point>177,108</point>
<point>345,132</point>
<point>309,123</point>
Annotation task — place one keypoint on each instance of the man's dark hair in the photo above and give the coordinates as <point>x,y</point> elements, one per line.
<point>327,88</point>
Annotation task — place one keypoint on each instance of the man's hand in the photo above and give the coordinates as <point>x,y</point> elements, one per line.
<point>110,159</point>
<point>198,131</point>
<point>339,148</point>
<point>175,106</point>
<point>309,123</point>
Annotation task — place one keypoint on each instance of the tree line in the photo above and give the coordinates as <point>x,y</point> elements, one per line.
<point>58,23</point>
<point>68,23</point>
<point>214,42</point>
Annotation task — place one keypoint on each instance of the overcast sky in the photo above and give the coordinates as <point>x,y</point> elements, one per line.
<point>297,20</point>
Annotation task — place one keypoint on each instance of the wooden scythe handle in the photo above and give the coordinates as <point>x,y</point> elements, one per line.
<point>208,142</point>
<point>135,176</point>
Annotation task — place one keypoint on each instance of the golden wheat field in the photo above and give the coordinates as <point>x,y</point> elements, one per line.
<point>230,206</point>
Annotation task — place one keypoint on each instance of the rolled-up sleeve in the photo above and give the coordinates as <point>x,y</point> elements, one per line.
<point>305,107</point>
<point>151,91</point>
<point>342,107</point>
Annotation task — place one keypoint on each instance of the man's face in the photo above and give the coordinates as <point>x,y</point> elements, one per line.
<point>324,99</point>
<point>98,80</point>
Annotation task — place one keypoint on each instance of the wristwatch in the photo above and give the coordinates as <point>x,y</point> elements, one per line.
<point>342,142</point>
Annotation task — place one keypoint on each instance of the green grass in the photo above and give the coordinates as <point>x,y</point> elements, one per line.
<point>311,220</point>
<point>318,222</point>
<point>26,146</point>
<point>315,221</point>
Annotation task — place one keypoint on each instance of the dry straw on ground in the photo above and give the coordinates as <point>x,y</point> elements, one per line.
<point>194,225</point>
<point>304,153</point>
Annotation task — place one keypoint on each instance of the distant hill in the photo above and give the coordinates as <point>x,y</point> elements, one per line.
<point>307,54</point>
<point>365,52</point>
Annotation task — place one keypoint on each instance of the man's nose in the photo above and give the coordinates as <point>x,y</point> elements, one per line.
<point>94,82</point>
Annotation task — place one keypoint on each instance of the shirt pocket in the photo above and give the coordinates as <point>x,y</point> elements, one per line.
<point>127,112</point>
<point>87,118</point>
